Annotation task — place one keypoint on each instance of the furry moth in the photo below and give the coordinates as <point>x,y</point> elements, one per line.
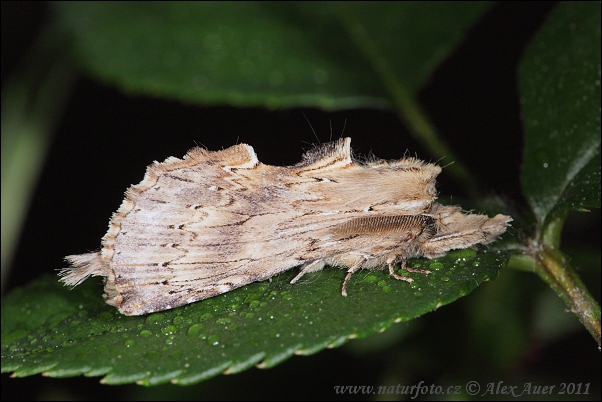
<point>211,222</point>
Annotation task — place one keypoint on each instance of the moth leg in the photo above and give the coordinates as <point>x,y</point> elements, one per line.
<point>418,270</point>
<point>405,267</point>
<point>354,268</point>
<point>307,268</point>
<point>396,276</point>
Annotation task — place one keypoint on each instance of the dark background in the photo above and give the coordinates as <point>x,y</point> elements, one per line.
<point>105,139</point>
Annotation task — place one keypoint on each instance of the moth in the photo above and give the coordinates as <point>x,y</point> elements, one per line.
<point>211,222</point>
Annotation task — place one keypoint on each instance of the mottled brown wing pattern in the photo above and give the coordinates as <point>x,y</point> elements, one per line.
<point>214,221</point>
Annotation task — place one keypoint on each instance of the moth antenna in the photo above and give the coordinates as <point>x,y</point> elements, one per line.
<point>199,144</point>
<point>449,164</point>
<point>342,132</point>
<point>312,129</point>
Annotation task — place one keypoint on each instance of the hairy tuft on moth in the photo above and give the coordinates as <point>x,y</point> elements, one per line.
<point>211,222</point>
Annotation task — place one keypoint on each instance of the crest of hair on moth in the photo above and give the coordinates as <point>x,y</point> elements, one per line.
<point>214,221</point>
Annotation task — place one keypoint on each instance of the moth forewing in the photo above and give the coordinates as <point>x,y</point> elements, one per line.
<point>457,230</point>
<point>211,222</point>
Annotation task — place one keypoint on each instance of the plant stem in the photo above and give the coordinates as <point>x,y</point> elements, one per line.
<point>554,269</point>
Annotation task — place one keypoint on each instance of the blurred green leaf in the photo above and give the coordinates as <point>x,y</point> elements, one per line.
<point>273,54</point>
<point>559,81</point>
<point>32,102</point>
<point>47,328</point>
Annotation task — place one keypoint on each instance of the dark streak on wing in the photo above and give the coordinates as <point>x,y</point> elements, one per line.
<point>157,201</point>
<point>171,176</point>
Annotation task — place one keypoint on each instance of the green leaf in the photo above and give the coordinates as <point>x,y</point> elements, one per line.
<point>559,81</point>
<point>584,189</point>
<point>48,328</point>
<point>274,54</point>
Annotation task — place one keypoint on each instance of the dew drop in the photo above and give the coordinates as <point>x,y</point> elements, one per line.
<point>464,254</point>
<point>370,278</point>
<point>436,266</point>
<point>223,321</point>
<point>195,329</point>
<point>155,318</point>
<point>205,316</point>
<point>117,328</point>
